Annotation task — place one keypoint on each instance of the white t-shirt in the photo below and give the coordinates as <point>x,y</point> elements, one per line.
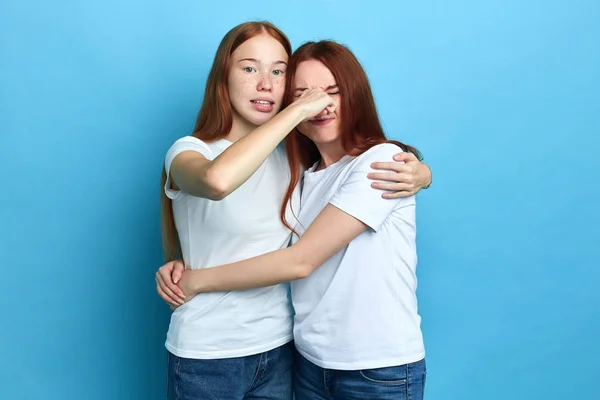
<point>359,309</point>
<point>243,225</point>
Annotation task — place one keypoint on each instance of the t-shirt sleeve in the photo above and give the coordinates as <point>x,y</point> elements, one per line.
<point>356,197</point>
<point>181,145</point>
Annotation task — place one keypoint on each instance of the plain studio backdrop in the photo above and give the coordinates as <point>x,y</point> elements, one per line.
<point>500,96</point>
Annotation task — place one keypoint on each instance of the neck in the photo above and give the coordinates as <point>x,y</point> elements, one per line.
<point>330,153</point>
<point>239,128</point>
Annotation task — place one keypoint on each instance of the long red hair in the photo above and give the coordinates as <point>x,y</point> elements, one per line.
<point>215,117</point>
<point>360,125</point>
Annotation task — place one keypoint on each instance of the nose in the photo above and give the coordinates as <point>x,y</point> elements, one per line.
<point>265,84</point>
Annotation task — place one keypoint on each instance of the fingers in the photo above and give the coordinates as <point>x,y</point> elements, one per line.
<point>177,273</point>
<point>393,187</point>
<point>391,177</point>
<point>167,293</point>
<point>319,96</point>
<point>405,156</point>
<point>333,104</point>
<point>331,108</point>
<point>165,273</point>
<point>393,166</point>
<point>327,102</point>
<point>170,301</point>
<point>313,93</point>
<point>397,195</point>
<point>323,113</point>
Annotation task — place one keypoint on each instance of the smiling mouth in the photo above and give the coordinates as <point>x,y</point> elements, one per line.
<point>262,102</point>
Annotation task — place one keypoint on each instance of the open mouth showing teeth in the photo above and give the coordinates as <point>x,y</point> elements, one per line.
<point>261,102</point>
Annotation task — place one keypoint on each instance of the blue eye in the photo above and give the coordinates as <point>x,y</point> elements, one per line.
<point>277,72</point>
<point>249,69</point>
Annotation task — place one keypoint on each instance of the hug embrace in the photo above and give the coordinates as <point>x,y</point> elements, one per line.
<point>289,229</point>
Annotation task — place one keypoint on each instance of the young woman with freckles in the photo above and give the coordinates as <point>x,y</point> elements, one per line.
<point>223,190</point>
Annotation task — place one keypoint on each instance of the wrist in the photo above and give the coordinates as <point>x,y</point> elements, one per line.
<point>196,281</point>
<point>298,112</point>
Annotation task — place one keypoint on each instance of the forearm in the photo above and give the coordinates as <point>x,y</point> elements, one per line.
<point>240,160</point>
<point>266,270</point>
<point>330,232</point>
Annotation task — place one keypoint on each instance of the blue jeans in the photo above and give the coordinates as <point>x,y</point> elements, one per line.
<point>404,382</point>
<point>265,376</point>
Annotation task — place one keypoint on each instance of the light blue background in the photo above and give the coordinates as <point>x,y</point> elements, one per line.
<point>502,97</point>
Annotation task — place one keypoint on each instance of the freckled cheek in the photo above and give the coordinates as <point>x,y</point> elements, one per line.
<point>248,83</point>
<point>243,88</point>
<point>279,87</point>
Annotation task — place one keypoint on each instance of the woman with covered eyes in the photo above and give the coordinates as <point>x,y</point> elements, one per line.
<point>231,196</point>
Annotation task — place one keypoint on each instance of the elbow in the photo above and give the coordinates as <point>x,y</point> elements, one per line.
<point>302,265</point>
<point>303,271</point>
<point>216,194</point>
<point>217,186</point>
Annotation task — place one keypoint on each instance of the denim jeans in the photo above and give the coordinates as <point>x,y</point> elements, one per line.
<point>403,382</point>
<point>265,376</point>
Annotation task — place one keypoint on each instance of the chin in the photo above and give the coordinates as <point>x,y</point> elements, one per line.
<point>257,118</point>
<point>323,142</point>
<point>323,137</point>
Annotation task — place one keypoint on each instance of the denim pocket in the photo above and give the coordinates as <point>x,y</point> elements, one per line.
<point>388,376</point>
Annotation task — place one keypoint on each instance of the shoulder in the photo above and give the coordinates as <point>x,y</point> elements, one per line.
<point>188,143</point>
<point>383,152</point>
<point>383,149</point>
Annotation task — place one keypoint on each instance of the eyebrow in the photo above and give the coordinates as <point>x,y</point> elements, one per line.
<point>256,61</point>
<point>331,87</point>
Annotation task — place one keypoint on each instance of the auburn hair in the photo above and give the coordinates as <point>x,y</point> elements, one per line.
<point>215,117</point>
<point>359,121</point>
